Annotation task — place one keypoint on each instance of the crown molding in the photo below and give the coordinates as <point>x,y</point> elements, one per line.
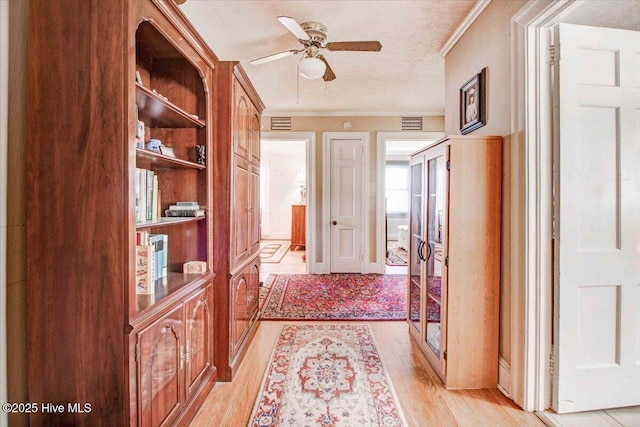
<point>471,17</point>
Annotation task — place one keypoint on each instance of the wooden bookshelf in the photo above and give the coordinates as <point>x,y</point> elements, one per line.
<point>150,160</point>
<point>162,113</point>
<point>92,338</point>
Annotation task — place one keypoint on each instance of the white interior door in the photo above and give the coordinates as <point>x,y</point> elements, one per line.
<point>346,205</point>
<point>597,214</point>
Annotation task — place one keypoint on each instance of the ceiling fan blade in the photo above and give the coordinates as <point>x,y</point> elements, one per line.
<point>329,75</point>
<point>368,46</point>
<point>294,27</point>
<point>275,56</point>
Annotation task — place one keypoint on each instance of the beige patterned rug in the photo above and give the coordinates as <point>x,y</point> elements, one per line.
<point>326,375</point>
<point>273,252</point>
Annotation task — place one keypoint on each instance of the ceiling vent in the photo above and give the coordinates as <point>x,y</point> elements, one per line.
<point>412,123</point>
<point>280,123</point>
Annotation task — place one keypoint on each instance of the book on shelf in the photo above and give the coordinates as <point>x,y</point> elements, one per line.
<point>174,213</point>
<point>160,247</point>
<point>187,204</point>
<point>160,243</point>
<point>147,195</point>
<point>183,207</point>
<point>145,263</point>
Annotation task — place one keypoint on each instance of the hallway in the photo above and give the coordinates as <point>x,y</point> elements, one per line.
<point>423,399</point>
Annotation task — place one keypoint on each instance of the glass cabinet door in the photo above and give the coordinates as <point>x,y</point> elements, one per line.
<point>416,221</point>
<point>433,251</point>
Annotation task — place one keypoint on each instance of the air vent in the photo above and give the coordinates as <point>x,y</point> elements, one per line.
<point>412,123</point>
<point>280,123</point>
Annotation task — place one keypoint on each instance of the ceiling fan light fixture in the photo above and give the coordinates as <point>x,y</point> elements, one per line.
<point>312,68</point>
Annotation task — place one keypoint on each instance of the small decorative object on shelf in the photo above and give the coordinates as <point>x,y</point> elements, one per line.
<point>200,154</point>
<point>194,267</point>
<point>153,145</point>
<point>167,151</point>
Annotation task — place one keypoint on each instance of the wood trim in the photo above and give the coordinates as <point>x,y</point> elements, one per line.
<point>178,18</point>
<point>242,77</point>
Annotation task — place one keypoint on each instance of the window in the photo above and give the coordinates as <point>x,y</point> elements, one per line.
<point>397,187</point>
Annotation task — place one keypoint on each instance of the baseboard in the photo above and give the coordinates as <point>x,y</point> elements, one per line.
<point>276,236</point>
<point>504,377</point>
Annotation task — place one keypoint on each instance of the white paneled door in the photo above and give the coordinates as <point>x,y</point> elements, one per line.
<point>346,205</point>
<point>597,219</point>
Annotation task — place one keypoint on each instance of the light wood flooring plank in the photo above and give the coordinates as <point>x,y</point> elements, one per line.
<point>423,398</point>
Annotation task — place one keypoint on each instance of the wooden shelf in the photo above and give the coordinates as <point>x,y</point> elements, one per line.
<point>162,113</point>
<point>153,159</point>
<point>166,286</point>
<point>167,222</point>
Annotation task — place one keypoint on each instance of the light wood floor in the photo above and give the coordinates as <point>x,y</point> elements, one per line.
<point>424,401</point>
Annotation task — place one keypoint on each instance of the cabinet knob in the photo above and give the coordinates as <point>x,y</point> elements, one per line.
<point>334,222</point>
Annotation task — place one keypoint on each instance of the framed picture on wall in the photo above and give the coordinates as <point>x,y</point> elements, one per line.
<point>473,114</point>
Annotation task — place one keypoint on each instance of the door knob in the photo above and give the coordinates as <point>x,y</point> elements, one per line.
<point>334,222</point>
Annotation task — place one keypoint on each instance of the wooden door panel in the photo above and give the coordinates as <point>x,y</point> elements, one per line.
<point>254,210</point>
<point>160,370</point>
<point>240,213</point>
<point>197,340</point>
<point>239,289</point>
<point>254,133</point>
<point>242,117</point>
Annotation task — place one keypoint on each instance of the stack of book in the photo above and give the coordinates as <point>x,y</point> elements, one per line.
<point>184,209</point>
<point>147,195</point>
<point>152,261</point>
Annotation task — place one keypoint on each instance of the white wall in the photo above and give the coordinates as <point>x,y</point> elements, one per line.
<point>280,162</point>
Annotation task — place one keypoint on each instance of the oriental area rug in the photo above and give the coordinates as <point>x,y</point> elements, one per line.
<point>336,297</point>
<point>396,255</point>
<point>326,375</point>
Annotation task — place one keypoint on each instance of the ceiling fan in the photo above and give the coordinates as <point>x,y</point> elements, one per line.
<point>313,37</point>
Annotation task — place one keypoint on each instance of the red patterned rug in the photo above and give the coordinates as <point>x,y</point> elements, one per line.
<point>326,375</point>
<point>336,297</point>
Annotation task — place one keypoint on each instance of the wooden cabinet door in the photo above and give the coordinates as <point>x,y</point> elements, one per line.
<point>254,210</point>
<point>198,345</point>
<point>239,293</point>
<point>241,121</point>
<point>160,370</point>
<point>240,212</point>
<point>254,133</point>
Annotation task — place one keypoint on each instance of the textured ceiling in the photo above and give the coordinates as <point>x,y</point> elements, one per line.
<point>406,77</point>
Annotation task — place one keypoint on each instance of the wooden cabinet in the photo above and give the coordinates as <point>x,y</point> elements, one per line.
<point>454,258</point>
<point>138,359</point>
<point>161,372</point>
<point>298,226</point>
<point>245,297</point>
<point>173,355</point>
<point>237,172</point>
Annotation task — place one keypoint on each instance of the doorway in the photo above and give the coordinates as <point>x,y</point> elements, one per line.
<point>284,189</point>
<point>533,305</point>
<point>394,150</point>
